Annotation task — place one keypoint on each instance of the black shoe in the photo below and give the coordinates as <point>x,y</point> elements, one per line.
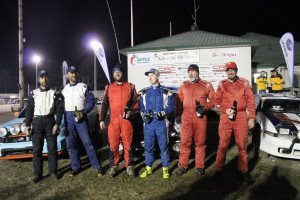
<point>37,179</point>
<point>54,176</point>
<point>180,171</point>
<point>200,171</point>
<point>74,172</point>
<point>99,172</point>
<point>247,177</point>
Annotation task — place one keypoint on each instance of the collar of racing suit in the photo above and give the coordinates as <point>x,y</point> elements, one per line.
<point>72,85</point>
<point>44,90</point>
<point>154,87</point>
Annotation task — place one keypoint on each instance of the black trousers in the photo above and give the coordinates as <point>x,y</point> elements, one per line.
<point>42,128</point>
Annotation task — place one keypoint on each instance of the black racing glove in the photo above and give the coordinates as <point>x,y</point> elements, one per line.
<point>147,118</point>
<point>160,114</point>
<point>200,111</point>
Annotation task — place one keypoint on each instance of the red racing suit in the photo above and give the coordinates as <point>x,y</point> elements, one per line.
<point>227,92</point>
<point>191,125</point>
<point>116,98</point>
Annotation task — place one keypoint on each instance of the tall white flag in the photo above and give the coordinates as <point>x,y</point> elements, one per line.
<point>287,46</point>
<point>100,53</point>
<point>64,71</point>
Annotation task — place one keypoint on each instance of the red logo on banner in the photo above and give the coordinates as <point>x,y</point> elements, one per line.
<point>167,70</point>
<point>132,59</point>
<point>218,68</point>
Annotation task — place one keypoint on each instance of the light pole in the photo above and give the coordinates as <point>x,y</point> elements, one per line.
<point>36,59</point>
<point>95,45</point>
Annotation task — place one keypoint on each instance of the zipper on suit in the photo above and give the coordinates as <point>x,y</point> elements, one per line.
<point>192,96</point>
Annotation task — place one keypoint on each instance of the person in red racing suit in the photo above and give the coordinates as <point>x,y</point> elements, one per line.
<point>192,125</point>
<point>229,90</point>
<point>119,97</point>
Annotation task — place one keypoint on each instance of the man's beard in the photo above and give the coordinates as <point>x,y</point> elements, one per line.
<point>73,80</point>
<point>192,79</point>
<point>45,85</point>
<point>118,79</point>
<point>232,79</point>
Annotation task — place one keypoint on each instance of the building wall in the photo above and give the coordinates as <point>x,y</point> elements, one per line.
<point>173,65</point>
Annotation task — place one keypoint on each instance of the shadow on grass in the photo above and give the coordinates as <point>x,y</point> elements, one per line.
<point>275,187</point>
<point>233,187</point>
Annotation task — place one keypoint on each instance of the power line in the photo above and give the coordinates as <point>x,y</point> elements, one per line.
<point>114,31</point>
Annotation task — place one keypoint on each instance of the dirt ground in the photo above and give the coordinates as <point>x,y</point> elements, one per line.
<point>275,178</point>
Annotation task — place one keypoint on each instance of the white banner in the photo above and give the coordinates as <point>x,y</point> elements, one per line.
<point>100,53</point>
<point>287,46</point>
<point>176,57</point>
<point>64,71</point>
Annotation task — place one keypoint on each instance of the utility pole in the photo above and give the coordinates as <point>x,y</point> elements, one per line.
<point>95,76</point>
<point>21,76</point>
<point>131,9</point>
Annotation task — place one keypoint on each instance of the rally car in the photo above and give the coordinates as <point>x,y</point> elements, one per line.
<point>14,144</point>
<point>278,122</point>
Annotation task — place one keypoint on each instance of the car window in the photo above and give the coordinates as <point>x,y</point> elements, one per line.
<point>281,105</point>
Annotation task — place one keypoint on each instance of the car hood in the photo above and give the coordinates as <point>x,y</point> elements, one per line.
<point>13,121</point>
<point>284,119</point>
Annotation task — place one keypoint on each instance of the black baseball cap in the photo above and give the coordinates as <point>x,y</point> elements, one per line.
<point>72,69</point>
<point>42,73</point>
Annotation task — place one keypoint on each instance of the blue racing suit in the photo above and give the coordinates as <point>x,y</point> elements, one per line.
<point>156,99</point>
<point>80,96</point>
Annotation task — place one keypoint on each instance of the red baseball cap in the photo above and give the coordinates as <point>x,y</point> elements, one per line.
<point>230,65</point>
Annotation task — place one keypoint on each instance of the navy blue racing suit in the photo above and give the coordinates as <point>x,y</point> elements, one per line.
<point>80,96</point>
<point>156,99</point>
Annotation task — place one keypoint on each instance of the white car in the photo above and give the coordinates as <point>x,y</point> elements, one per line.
<point>278,118</point>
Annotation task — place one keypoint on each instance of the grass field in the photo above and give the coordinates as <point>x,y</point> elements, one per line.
<point>275,178</point>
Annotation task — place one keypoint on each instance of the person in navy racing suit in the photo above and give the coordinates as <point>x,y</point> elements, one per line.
<point>156,103</point>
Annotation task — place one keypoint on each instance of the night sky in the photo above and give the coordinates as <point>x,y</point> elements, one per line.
<point>58,30</point>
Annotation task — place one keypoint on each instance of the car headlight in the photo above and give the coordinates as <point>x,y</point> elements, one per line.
<point>284,131</point>
<point>3,132</point>
<point>14,129</point>
<point>176,147</point>
<point>23,128</point>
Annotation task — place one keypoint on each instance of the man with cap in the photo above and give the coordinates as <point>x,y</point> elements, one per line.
<point>262,82</point>
<point>43,103</point>
<point>121,99</point>
<point>195,97</point>
<point>234,95</point>
<point>269,81</point>
<point>79,101</point>
<point>156,103</point>
<point>276,82</point>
